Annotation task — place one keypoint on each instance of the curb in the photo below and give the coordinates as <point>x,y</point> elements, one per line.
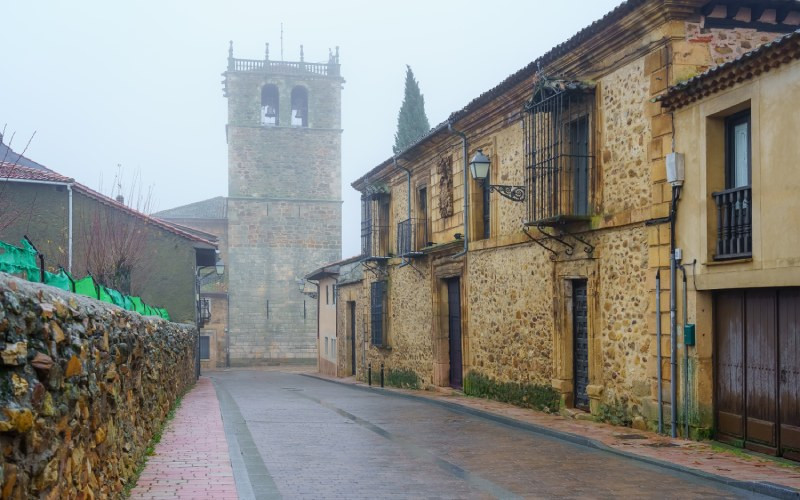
<point>763,488</point>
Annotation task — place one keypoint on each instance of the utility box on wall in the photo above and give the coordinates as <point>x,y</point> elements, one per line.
<point>688,334</point>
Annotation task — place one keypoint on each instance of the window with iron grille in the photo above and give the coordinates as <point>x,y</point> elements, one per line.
<point>559,173</point>
<point>375,226</point>
<point>378,312</point>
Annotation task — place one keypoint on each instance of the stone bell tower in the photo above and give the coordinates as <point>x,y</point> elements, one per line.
<point>284,200</point>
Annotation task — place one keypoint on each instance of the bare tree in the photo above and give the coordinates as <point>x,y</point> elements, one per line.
<point>116,238</point>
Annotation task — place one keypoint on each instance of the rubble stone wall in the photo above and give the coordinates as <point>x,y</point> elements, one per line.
<point>84,385</point>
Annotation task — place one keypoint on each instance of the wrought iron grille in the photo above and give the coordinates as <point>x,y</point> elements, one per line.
<point>377,309</point>
<point>559,173</point>
<point>412,237</point>
<point>734,223</point>
<point>375,226</point>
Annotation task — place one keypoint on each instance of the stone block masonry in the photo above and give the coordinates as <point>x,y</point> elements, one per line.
<point>284,206</point>
<point>83,387</point>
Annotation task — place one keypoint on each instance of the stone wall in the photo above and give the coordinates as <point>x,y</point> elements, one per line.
<point>84,385</point>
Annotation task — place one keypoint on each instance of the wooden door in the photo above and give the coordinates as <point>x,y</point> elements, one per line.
<point>580,343</point>
<point>454,327</point>
<point>789,372</point>
<point>761,363</point>
<point>757,372</point>
<point>729,344</point>
<point>351,311</point>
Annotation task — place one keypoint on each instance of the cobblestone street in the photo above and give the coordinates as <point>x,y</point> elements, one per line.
<point>298,437</point>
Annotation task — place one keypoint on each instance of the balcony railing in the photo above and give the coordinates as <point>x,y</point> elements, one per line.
<point>412,237</point>
<point>374,241</point>
<point>734,223</point>
<point>260,65</point>
<point>560,189</point>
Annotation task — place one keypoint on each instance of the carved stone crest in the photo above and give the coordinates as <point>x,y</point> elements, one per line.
<point>445,170</point>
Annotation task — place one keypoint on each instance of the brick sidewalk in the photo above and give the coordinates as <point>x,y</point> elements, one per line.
<point>192,460</point>
<point>700,456</point>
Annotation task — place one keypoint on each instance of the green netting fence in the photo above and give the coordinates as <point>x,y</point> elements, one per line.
<point>22,262</point>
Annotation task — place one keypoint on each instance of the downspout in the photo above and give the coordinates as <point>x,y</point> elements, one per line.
<point>228,330</point>
<point>685,359</point>
<point>69,230</point>
<point>408,208</point>
<point>466,188</point>
<point>658,354</point>
<point>673,313</point>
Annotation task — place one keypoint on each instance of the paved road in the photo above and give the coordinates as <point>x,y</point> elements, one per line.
<point>297,437</point>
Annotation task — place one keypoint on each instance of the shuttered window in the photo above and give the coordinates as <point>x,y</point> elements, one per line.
<point>378,312</point>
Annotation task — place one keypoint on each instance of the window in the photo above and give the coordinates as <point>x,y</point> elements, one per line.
<point>335,293</point>
<point>734,214</point>
<point>375,225</point>
<point>326,346</point>
<point>378,312</point>
<point>737,159</point>
<point>333,348</point>
<point>558,152</point>
<point>269,105</point>
<point>299,107</point>
<point>205,347</point>
<point>327,294</point>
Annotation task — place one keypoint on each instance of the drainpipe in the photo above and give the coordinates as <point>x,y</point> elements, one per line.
<point>408,208</point>
<point>673,313</point>
<point>69,230</point>
<point>466,187</point>
<point>685,359</point>
<point>658,354</point>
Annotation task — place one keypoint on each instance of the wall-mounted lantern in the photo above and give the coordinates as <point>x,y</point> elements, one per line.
<point>479,169</point>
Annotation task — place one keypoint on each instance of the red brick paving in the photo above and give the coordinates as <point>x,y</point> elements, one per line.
<point>698,455</point>
<point>192,460</point>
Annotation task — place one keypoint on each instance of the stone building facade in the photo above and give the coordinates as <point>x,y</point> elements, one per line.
<point>736,126</point>
<point>283,210</point>
<point>557,290</point>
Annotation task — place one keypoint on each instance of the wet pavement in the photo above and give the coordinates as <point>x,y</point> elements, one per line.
<point>299,437</point>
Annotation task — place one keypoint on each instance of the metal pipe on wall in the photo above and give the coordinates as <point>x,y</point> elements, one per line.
<point>685,359</point>
<point>466,186</point>
<point>69,230</point>
<point>658,354</point>
<point>408,207</point>
<point>673,314</point>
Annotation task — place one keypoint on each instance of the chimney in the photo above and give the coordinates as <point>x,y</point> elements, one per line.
<point>121,199</point>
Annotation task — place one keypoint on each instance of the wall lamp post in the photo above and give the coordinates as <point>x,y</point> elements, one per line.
<point>202,312</point>
<point>479,168</point>
<point>301,287</point>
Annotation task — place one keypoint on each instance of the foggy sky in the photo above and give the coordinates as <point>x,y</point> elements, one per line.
<point>104,83</point>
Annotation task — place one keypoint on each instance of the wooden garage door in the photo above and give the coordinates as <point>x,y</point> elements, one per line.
<point>757,348</point>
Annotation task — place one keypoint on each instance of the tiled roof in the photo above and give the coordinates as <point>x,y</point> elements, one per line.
<point>105,200</point>
<point>20,172</point>
<point>783,49</point>
<point>212,208</point>
<point>11,172</point>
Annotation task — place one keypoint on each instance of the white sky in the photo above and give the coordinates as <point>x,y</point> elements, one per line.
<point>138,83</point>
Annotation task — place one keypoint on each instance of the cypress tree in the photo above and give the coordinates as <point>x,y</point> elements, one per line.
<point>412,123</point>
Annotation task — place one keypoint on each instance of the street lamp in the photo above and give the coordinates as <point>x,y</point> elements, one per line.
<point>479,169</point>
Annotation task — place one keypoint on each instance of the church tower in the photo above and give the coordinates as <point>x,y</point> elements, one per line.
<point>284,200</point>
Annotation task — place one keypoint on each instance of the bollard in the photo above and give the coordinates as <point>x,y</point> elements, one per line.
<point>369,374</point>
<point>381,375</point>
